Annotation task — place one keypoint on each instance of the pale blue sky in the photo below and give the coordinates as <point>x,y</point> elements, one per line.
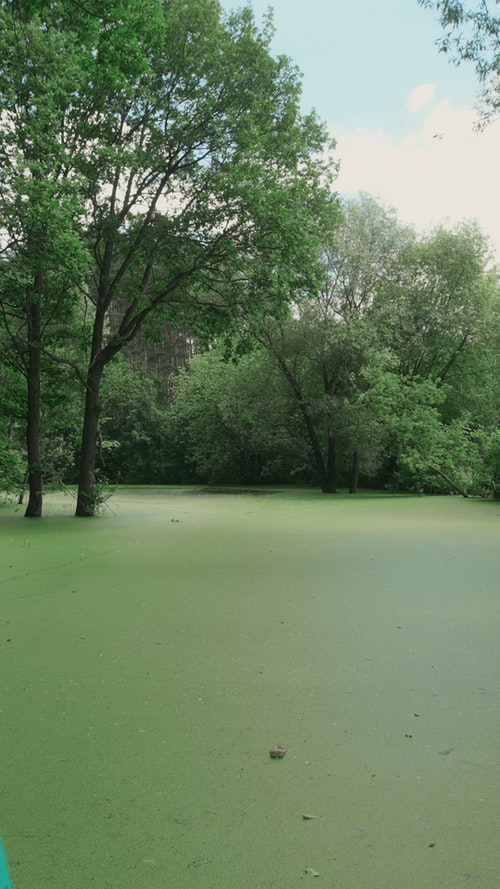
<point>360,58</point>
<point>361,61</point>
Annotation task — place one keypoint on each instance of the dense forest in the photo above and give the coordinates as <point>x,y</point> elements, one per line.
<point>183,296</point>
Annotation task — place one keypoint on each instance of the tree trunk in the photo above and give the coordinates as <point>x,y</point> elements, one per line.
<point>33,377</point>
<point>326,473</point>
<point>451,483</point>
<point>85,503</point>
<point>331,468</point>
<point>353,487</point>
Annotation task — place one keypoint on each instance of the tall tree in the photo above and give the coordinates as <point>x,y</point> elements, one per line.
<point>364,252</point>
<point>433,310</point>
<point>37,301</point>
<point>323,359</point>
<point>185,138</point>
<point>43,254</point>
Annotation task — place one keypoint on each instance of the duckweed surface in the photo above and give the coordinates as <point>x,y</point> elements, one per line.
<point>151,658</point>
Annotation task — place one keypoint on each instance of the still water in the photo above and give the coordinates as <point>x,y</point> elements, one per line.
<point>152,657</point>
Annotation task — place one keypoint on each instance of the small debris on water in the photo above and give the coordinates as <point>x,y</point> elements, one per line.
<point>277,752</point>
<point>446,752</point>
<point>309,817</point>
<point>312,872</point>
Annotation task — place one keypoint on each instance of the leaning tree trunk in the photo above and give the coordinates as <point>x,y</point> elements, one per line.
<point>33,377</point>
<point>85,503</point>
<point>453,485</point>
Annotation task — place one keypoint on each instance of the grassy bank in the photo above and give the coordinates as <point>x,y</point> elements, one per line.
<point>151,657</point>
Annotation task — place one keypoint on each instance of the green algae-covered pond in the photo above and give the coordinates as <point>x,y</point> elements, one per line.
<point>151,657</point>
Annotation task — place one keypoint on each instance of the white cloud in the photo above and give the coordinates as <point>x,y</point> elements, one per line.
<point>445,171</point>
<point>420,97</point>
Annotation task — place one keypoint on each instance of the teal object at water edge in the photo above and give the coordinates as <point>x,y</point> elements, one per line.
<point>4,874</point>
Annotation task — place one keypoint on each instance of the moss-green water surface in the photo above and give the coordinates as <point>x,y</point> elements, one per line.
<point>151,657</point>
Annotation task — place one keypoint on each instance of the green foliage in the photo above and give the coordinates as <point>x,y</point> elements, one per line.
<point>12,467</point>
<point>235,420</point>
<point>431,310</point>
<point>12,456</point>
<point>101,492</point>
<point>136,441</point>
<point>421,451</point>
<point>12,451</point>
<point>61,410</point>
<point>472,33</point>
<point>487,480</point>
<point>366,252</point>
<point>61,406</point>
<point>156,169</point>
<point>165,146</point>
<point>386,364</point>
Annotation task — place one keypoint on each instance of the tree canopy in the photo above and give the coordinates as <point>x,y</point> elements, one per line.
<point>156,159</point>
<point>159,180</point>
<point>378,373</point>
